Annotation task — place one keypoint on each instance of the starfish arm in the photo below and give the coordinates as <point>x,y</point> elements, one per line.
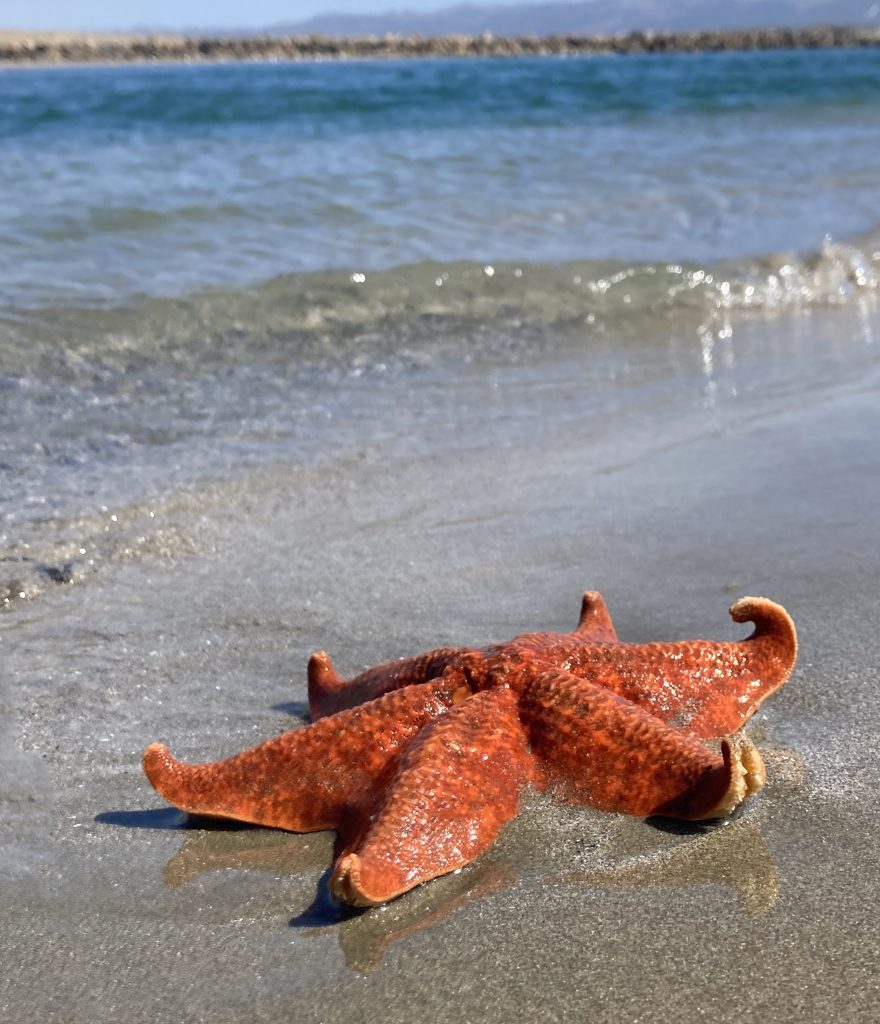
<point>595,623</point>
<point>710,689</point>
<point>454,789</point>
<point>555,649</point>
<point>766,661</point>
<point>605,751</point>
<point>308,779</point>
<point>329,692</point>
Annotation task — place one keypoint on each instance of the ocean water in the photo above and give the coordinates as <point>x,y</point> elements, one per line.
<point>199,266</point>
<point>162,180</point>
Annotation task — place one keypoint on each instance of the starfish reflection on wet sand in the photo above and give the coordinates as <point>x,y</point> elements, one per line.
<point>734,857</point>
<point>419,763</point>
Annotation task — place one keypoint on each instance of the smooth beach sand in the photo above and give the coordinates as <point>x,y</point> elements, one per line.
<point>479,503</point>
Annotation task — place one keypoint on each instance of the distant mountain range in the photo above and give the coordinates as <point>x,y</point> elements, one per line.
<point>591,17</point>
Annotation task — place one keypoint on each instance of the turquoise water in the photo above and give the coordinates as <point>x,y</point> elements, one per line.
<point>164,180</point>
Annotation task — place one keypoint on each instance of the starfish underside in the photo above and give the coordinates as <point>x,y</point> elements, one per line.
<point>419,763</point>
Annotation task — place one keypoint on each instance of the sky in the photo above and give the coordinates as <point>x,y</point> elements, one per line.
<point>95,15</point>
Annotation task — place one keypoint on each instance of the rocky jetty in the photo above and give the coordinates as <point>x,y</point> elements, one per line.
<point>74,48</point>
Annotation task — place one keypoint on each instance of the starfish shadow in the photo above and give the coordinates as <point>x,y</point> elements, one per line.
<point>154,818</point>
<point>365,935</point>
<point>168,818</point>
<point>295,708</point>
<point>325,911</point>
<point>674,827</point>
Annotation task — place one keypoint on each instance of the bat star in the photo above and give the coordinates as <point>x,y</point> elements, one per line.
<point>419,763</point>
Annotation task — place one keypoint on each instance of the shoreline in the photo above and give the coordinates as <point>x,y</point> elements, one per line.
<point>21,48</point>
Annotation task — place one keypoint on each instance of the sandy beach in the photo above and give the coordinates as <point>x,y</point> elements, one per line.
<point>480,501</point>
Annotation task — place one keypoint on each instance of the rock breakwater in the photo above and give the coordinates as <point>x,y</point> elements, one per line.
<point>23,48</point>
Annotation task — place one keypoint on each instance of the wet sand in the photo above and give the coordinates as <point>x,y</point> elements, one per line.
<point>478,503</point>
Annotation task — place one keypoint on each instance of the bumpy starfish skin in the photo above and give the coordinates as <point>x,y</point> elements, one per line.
<point>329,693</point>
<point>457,784</point>
<point>419,763</point>
<point>304,780</point>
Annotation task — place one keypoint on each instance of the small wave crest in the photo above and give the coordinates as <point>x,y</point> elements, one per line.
<point>425,311</point>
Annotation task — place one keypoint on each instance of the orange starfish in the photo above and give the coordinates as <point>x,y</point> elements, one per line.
<point>419,763</point>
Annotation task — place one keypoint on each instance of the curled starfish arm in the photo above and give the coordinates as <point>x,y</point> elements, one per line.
<point>602,750</point>
<point>454,789</point>
<point>308,779</point>
<point>708,688</point>
<point>761,664</point>
<point>329,692</point>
